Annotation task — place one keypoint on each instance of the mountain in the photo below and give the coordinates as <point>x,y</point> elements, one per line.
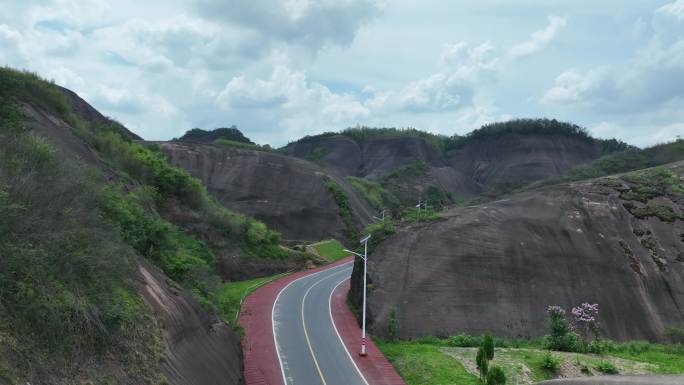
<point>197,135</point>
<point>496,158</point>
<point>291,195</point>
<point>617,241</point>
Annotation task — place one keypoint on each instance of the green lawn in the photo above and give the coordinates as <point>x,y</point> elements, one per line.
<point>666,363</point>
<point>231,294</point>
<point>445,361</point>
<point>332,250</point>
<point>423,364</point>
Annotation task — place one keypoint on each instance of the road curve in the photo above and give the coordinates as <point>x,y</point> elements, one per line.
<point>309,348</point>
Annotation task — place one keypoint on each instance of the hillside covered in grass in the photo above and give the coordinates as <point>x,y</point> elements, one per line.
<point>83,211</point>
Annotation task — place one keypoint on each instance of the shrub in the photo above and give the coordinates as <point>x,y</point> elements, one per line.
<point>482,362</point>
<point>600,346</point>
<point>342,201</point>
<point>376,195</point>
<point>464,341</point>
<point>496,376</point>
<point>65,288</point>
<point>560,337</point>
<point>606,367</point>
<point>488,345</point>
<point>550,362</point>
<point>675,334</point>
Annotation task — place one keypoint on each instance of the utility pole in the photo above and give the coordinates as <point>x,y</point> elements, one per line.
<point>363,321</point>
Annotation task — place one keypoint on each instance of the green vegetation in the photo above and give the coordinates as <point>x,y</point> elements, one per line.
<point>71,237</point>
<point>331,250</point>
<point>361,134</point>
<point>379,232</point>
<point>67,300</point>
<point>413,214</point>
<point>242,145</point>
<point>425,364</point>
<point>231,134</point>
<point>496,376</point>
<point>527,361</point>
<point>482,363</point>
<point>375,194</point>
<point>230,295</point>
<point>606,367</point>
<point>343,206</point>
<point>316,154</point>
<point>550,362</point>
<point>631,159</point>
<point>536,127</point>
<point>406,172</point>
<point>645,185</point>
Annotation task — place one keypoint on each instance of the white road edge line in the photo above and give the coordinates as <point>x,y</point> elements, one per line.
<point>275,340</point>
<point>332,320</point>
<point>306,333</point>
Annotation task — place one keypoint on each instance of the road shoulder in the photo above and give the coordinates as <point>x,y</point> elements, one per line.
<point>375,367</point>
<point>261,364</point>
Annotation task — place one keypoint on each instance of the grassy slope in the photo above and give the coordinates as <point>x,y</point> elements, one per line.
<point>70,236</point>
<point>332,250</point>
<point>621,162</point>
<point>231,295</point>
<point>425,364</point>
<point>432,361</point>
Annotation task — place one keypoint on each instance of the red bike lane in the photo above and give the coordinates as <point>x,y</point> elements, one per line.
<point>261,364</point>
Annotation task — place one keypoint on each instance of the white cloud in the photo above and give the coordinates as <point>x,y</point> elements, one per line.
<point>675,9</point>
<point>541,38</point>
<point>461,69</point>
<point>297,105</point>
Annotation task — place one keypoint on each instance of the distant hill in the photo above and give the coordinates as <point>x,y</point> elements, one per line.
<point>198,135</point>
<point>494,159</point>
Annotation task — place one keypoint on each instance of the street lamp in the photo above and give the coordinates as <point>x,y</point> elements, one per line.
<point>382,214</point>
<point>363,321</point>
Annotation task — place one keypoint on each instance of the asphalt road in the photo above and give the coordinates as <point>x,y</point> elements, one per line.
<point>309,348</point>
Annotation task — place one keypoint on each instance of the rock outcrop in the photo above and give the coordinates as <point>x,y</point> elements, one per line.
<point>287,193</point>
<point>616,241</point>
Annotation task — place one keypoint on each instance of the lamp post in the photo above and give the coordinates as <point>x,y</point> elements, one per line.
<point>382,216</point>
<point>363,321</point>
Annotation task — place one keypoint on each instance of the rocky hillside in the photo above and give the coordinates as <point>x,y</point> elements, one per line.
<point>617,241</point>
<point>289,194</point>
<point>488,161</point>
<point>111,256</point>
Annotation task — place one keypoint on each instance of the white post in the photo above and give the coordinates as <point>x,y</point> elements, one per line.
<point>363,322</point>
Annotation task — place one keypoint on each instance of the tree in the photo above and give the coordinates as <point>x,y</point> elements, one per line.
<point>482,363</point>
<point>496,376</point>
<point>488,345</point>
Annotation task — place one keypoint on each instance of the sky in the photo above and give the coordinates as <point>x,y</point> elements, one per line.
<point>282,69</point>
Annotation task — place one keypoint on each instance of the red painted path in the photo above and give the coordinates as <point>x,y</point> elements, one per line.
<point>260,357</point>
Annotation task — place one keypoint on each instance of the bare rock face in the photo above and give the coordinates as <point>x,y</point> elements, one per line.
<point>496,267</point>
<point>200,348</point>
<point>477,167</point>
<point>287,193</point>
<point>520,158</point>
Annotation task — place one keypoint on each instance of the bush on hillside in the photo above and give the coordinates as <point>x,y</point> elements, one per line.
<point>66,297</point>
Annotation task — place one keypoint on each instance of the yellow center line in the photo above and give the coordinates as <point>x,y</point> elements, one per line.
<point>306,334</point>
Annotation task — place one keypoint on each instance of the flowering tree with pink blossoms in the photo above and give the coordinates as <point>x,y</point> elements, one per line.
<point>585,319</point>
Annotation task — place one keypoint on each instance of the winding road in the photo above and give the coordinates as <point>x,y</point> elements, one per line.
<point>309,347</point>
